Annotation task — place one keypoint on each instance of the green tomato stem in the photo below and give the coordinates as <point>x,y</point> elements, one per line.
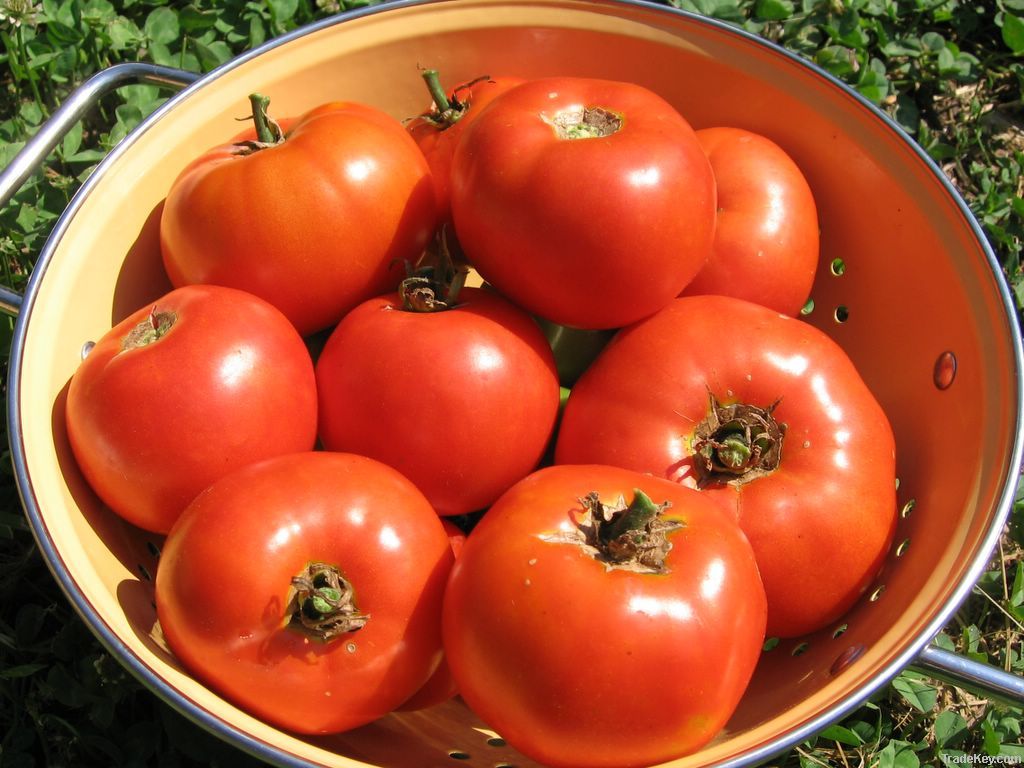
<point>433,80</point>
<point>267,130</point>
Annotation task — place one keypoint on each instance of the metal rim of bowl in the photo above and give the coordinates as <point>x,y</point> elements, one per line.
<point>268,752</point>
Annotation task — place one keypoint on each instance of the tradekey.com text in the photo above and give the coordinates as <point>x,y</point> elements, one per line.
<point>997,760</point>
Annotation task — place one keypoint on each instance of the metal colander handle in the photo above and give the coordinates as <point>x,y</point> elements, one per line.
<point>985,680</point>
<point>74,108</point>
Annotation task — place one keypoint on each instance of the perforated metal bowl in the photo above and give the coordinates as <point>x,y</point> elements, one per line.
<point>920,306</point>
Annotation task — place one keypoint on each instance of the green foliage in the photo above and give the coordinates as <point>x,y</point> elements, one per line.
<point>949,72</point>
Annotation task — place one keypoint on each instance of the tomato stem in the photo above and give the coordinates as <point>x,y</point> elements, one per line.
<point>736,443</point>
<point>442,114</point>
<point>322,603</point>
<point>448,110</point>
<point>624,536</point>
<point>433,287</point>
<point>267,130</point>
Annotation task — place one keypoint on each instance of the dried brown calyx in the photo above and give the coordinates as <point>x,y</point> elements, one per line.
<point>631,536</point>
<point>736,443</point>
<point>584,122</point>
<point>322,603</point>
<point>153,328</point>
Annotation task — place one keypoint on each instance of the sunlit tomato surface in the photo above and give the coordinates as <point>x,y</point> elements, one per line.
<point>201,382</point>
<point>230,612</point>
<point>314,223</point>
<point>584,648</point>
<point>587,202</point>
<point>441,685</point>
<point>766,239</point>
<point>821,520</point>
<point>438,130</point>
<point>462,401</point>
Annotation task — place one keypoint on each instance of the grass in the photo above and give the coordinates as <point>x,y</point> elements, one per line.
<point>951,73</point>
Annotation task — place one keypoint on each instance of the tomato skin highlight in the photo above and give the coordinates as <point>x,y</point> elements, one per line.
<point>230,383</point>
<point>463,402</point>
<point>822,523</point>
<point>577,665</point>
<point>438,143</point>
<point>766,245</point>
<point>591,232</point>
<point>225,571</point>
<point>314,225</point>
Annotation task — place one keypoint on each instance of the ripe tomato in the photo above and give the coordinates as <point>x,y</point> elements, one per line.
<point>766,240</point>
<point>461,401</point>
<point>802,455</point>
<point>438,130</point>
<point>624,643</point>
<point>312,220</point>
<point>441,685</point>
<point>203,381</point>
<point>243,590</point>
<point>587,202</point>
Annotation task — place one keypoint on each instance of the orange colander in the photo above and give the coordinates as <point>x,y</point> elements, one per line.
<point>919,304</point>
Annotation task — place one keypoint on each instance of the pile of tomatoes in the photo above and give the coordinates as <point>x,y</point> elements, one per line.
<point>382,487</point>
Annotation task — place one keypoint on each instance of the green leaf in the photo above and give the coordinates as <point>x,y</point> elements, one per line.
<point>124,34</point>
<point>773,10</point>
<point>873,84</point>
<point>839,60</point>
<point>211,55</point>
<point>1017,593</point>
<point>1013,32</point>
<point>933,42</point>
<point>990,740</point>
<point>72,140</point>
<point>843,735</point>
<point>949,728</point>
<point>283,10</point>
<point>21,670</point>
<point>194,19</point>
<point>31,113</point>
<point>162,26</point>
<point>921,695</point>
<point>898,754</point>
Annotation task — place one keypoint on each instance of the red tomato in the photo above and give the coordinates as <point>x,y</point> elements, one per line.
<point>603,645</point>
<point>462,401</point>
<point>232,611</point>
<point>766,241</point>
<point>438,130</point>
<point>314,223</point>
<point>203,381</point>
<point>822,520</point>
<point>441,685</point>
<point>587,202</point>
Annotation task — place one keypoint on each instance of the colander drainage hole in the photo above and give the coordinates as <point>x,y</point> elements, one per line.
<point>457,754</point>
<point>902,547</point>
<point>945,370</point>
<point>840,630</point>
<point>877,593</point>
<point>846,658</point>
<point>838,267</point>
<point>800,649</point>
<point>144,572</point>
<point>807,308</point>
<point>154,550</point>
<point>496,742</point>
<point>770,644</point>
<point>908,508</point>
<point>842,313</point>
